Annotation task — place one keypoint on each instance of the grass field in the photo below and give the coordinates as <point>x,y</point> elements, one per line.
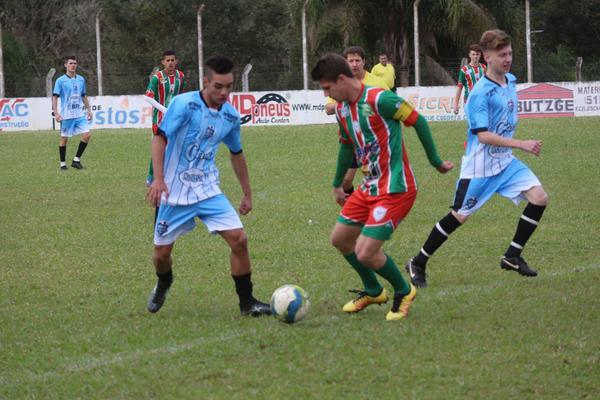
<point>75,272</point>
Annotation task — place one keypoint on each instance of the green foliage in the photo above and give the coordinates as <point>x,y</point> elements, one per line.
<point>76,271</point>
<point>556,66</point>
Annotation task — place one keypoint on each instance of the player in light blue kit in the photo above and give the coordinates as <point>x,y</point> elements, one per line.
<point>488,165</point>
<point>70,88</point>
<point>186,181</point>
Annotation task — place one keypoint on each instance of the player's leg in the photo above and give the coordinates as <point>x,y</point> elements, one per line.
<point>220,217</point>
<point>83,129</point>
<point>523,184</point>
<point>62,152</point>
<point>163,265</point>
<point>65,134</point>
<point>172,222</point>
<point>343,238</point>
<point>385,215</point>
<point>370,253</point>
<point>441,231</point>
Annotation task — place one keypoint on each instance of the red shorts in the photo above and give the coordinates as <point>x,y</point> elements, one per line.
<point>379,215</point>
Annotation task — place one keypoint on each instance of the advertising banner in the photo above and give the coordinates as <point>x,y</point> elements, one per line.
<point>301,107</point>
<point>25,114</point>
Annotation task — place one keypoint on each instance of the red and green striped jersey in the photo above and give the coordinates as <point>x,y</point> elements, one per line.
<point>372,126</point>
<point>162,88</point>
<point>468,76</point>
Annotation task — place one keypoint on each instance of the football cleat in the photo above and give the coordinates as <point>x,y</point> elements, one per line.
<point>77,165</point>
<point>363,300</point>
<point>402,303</point>
<point>255,308</point>
<point>517,264</point>
<point>157,297</point>
<point>63,168</point>
<point>417,274</point>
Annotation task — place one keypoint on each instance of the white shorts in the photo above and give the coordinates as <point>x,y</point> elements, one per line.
<point>216,213</point>
<point>74,126</point>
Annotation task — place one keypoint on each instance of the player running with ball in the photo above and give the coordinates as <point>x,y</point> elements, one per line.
<point>369,120</point>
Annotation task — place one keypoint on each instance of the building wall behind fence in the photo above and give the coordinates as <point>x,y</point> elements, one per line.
<point>299,107</point>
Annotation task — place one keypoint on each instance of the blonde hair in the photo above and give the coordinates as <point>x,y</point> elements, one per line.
<point>494,39</point>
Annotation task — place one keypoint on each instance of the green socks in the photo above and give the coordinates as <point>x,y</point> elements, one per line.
<point>392,274</point>
<point>367,275</point>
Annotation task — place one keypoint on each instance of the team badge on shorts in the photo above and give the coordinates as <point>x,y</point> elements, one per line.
<point>379,213</point>
<point>162,227</point>
<point>470,203</point>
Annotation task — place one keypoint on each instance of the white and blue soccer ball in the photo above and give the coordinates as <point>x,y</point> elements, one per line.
<point>289,303</point>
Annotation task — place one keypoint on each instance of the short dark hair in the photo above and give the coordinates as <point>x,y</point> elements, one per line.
<point>354,50</point>
<point>475,47</point>
<point>494,40</point>
<point>168,53</point>
<point>219,64</point>
<point>67,58</point>
<point>330,67</point>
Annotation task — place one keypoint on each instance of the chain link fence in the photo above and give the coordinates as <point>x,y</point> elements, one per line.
<point>133,79</point>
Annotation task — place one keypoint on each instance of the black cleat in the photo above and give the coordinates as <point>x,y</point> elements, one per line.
<point>417,274</point>
<point>255,308</point>
<point>63,168</point>
<point>517,264</point>
<point>157,297</point>
<point>77,165</point>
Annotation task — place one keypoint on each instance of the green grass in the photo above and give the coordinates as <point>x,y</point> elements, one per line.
<point>75,272</point>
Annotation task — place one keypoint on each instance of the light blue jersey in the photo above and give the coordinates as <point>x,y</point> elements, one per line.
<point>194,132</point>
<point>71,92</point>
<point>491,107</point>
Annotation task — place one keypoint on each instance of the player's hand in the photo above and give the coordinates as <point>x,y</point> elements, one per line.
<point>155,191</point>
<point>532,146</point>
<point>89,115</point>
<point>245,205</point>
<point>57,117</point>
<point>455,110</point>
<point>340,196</point>
<point>445,167</point>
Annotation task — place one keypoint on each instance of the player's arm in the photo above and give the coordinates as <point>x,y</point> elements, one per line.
<point>155,104</point>
<point>238,161</point>
<point>479,119</point>
<point>158,186</point>
<point>529,146</point>
<point>392,105</point>
<point>240,167</point>
<point>459,88</point>
<point>344,162</point>
<point>330,106</point>
<point>57,115</point>
<point>86,103</point>
<point>55,97</point>
<point>457,95</point>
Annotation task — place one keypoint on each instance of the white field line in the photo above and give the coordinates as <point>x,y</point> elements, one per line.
<point>503,283</point>
<point>87,364</point>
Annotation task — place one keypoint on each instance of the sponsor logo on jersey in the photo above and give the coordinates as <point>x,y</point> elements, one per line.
<point>210,131</point>
<point>192,177</point>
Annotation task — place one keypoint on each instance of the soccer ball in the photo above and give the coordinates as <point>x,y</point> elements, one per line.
<point>289,303</point>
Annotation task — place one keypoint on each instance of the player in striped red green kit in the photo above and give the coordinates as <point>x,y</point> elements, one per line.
<point>369,120</point>
<point>469,75</point>
<point>162,88</point>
